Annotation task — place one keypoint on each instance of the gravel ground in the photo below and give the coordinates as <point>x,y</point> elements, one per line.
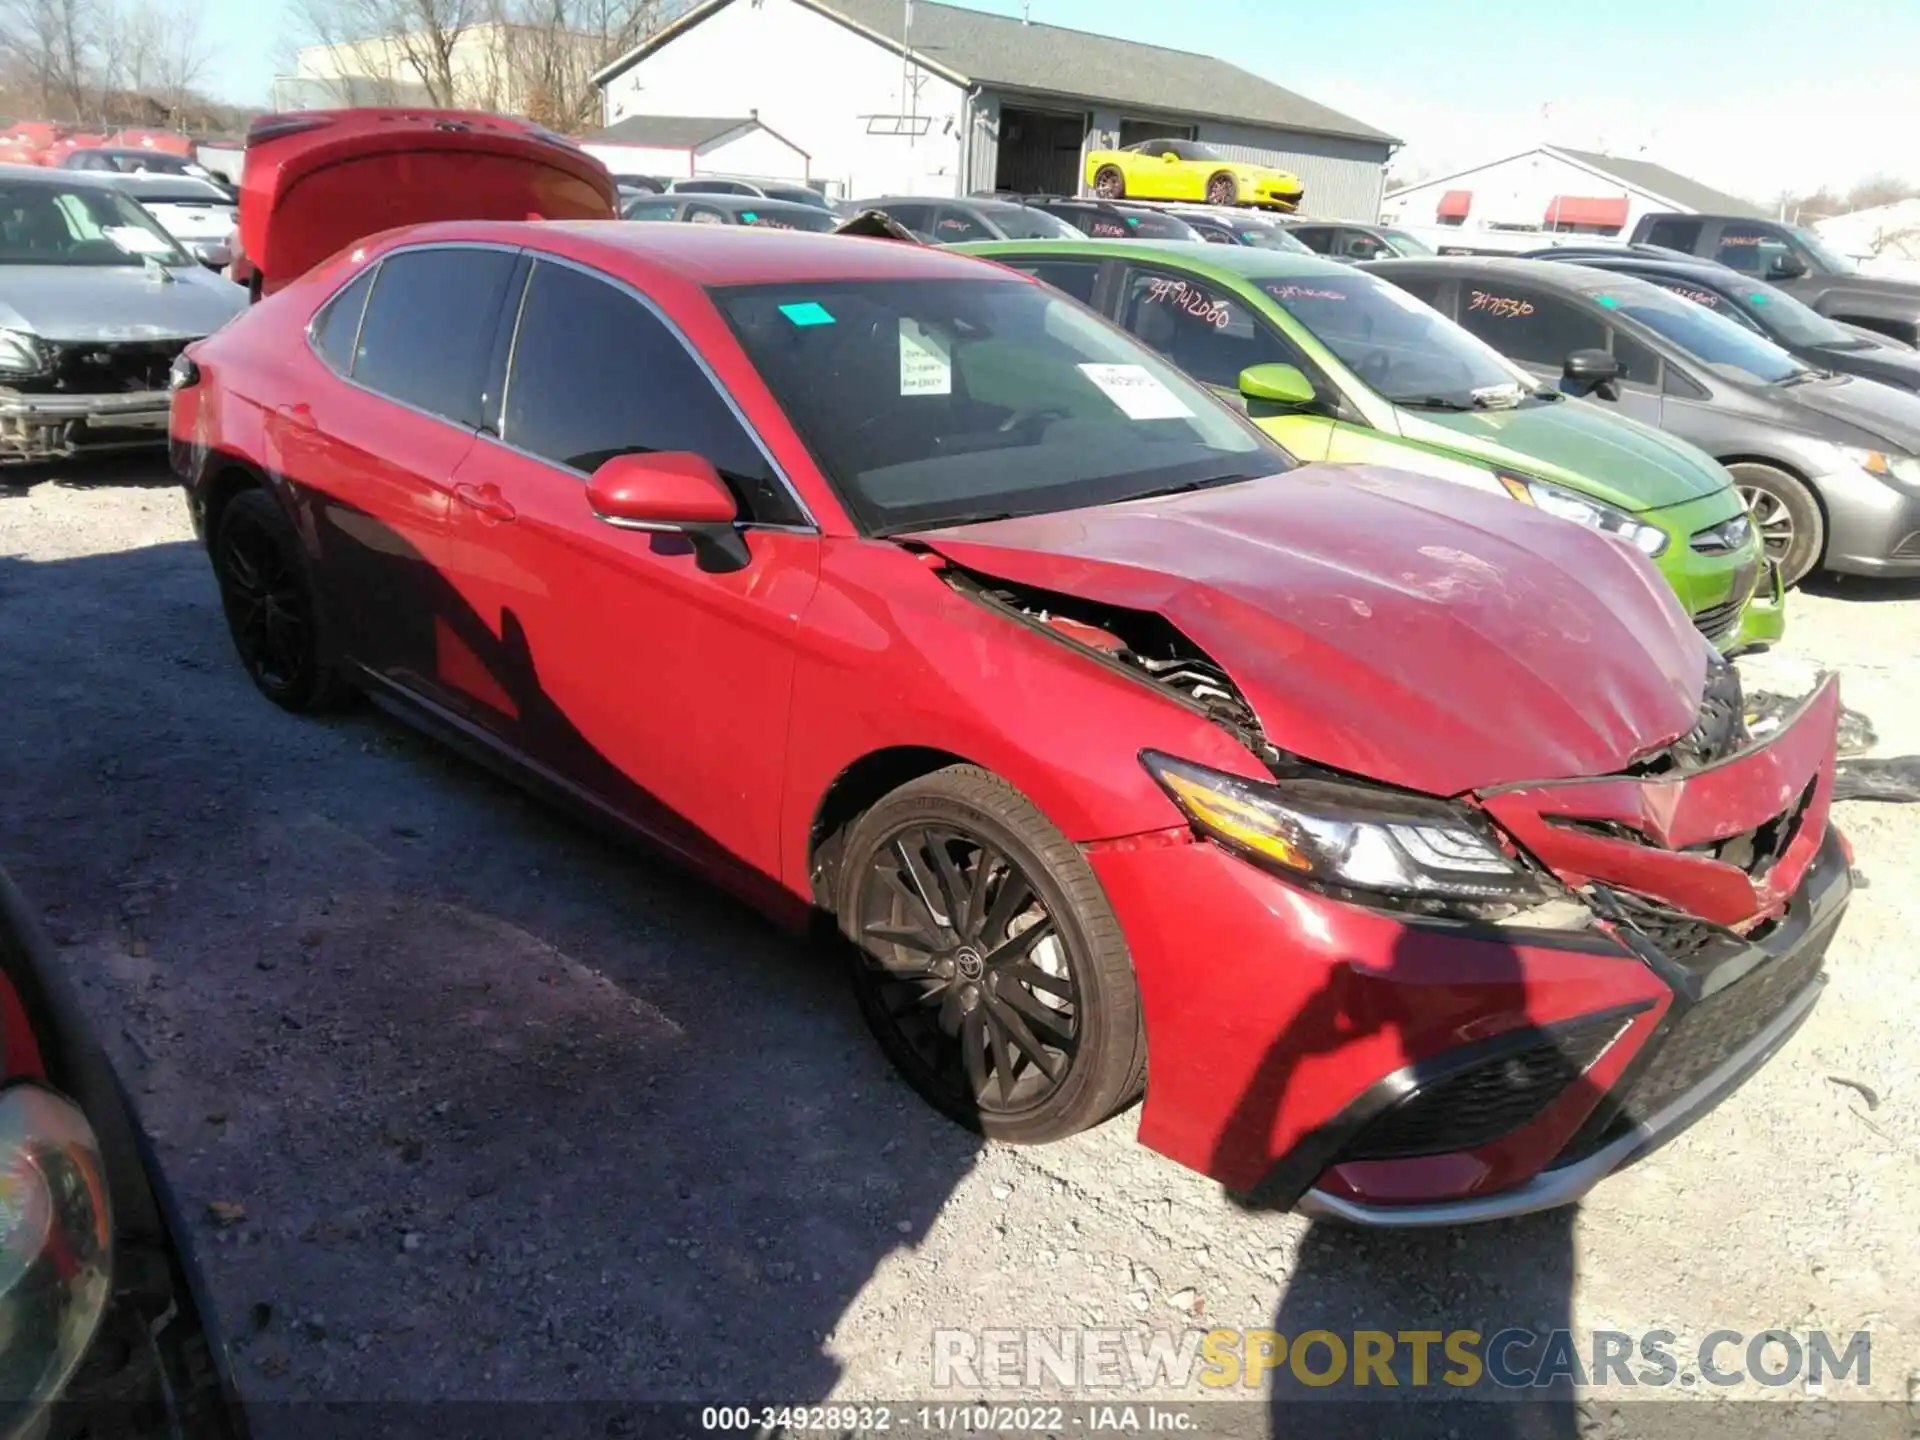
<point>506,1111</point>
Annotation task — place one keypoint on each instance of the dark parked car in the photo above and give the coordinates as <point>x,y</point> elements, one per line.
<point>730,210</point>
<point>1830,465</point>
<point>130,161</point>
<point>1800,331</point>
<point>951,222</point>
<point>1230,225</point>
<point>752,189</point>
<point>1799,262</point>
<point>1348,240</point>
<point>101,1308</point>
<point>1106,220</point>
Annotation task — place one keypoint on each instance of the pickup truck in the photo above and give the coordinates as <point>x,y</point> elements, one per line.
<point>1798,261</point>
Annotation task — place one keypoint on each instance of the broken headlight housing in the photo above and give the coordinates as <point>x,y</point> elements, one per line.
<point>1373,843</point>
<point>21,354</point>
<point>1649,540</point>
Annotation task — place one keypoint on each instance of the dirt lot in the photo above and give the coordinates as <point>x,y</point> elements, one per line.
<point>515,1113</point>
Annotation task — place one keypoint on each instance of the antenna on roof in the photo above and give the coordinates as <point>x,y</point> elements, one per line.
<point>1026,12</point>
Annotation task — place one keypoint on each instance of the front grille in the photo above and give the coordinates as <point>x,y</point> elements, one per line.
<point>1717,620</point>
<point>1489,1099</point>
<point>1909,548</point>
<point>1696,1040</point>
<point>85,368</point>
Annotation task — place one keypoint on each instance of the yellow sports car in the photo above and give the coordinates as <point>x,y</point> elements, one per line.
<point>1187,170</point>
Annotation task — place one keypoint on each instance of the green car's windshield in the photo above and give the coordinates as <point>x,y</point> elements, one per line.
<point>43,224</point>
<point>1724,346</point>
<point>1409,353</point>
<point>936,402</point>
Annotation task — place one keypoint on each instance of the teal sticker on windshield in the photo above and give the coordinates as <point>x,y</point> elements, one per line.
<point>1133,219</point>
<point>747,217</point>
<point>807,313</point>
<point>1606,300</point>
<point>1757,298</point>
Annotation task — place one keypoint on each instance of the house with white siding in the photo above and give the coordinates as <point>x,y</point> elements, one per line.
<point>913,97</point>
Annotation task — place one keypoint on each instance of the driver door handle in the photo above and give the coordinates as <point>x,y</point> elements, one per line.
<point>487,499</point>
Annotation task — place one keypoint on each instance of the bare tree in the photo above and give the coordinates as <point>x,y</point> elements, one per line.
<point>49,44</point>
<point>555,47</point>
<point>389,44</point>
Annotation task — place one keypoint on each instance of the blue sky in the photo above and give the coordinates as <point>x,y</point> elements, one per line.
<point>1751,95</point>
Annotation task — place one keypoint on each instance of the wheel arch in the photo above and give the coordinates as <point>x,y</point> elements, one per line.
<point>228,477</point>
<point>859,786</point>
<point>1794,472</point>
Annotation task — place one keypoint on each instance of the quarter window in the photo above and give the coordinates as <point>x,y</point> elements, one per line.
<point>337,325</point>
<point>429,328</point>
<point>1211,337</point>
<point>1527,325</point>
<point>596,374</point>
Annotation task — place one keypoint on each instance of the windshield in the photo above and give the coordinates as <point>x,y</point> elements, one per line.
<point>1724,346</point>
<point>1407,352</point>
<point>1127,225</point>
<point>1779,313</point>
<point>52,225</point>
<point>651,210</point>
<point>1829,257</point>
<point>1185,149</point>
<point>791,217</point>
<point>1023,222</point>
<point>1405,244</point>
<point>175,190</point>
<point>934,402</point>
<point>798,195</point>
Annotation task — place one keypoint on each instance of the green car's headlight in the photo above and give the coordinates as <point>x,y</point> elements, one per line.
<point>1649,540</point>
<point>1886,464</point>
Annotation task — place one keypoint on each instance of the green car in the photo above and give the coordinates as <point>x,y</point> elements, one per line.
<point>1339,365</point>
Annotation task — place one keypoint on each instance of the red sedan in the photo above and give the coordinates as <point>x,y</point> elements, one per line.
<point>1403,845</point>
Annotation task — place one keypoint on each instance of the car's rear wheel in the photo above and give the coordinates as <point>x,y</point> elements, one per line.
<point>268,597</point>
<point>1787,516</point>
<point>1223,189</point>
<point>1109,183</point>
<point>987,961</point>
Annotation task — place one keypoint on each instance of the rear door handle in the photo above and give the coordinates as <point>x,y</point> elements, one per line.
<point>487,499</point>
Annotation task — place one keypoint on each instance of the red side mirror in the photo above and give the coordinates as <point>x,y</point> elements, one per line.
<point>667,490</point>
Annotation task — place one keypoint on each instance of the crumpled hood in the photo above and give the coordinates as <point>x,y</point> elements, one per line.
<point>1622,461</point>
<point>116,302</point>
<point>1881,411</point>
<point>1397,627</point>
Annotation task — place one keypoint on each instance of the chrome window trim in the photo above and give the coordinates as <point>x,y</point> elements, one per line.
<point>540,257</point>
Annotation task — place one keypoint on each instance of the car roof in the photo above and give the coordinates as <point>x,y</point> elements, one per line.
<point>162,187</point>
<point>736,203</point>
<point>50,176</point>
<point>717,254</point>
<point>1704,271</point>
<point>1548,274</point>
<point>1241,261</point>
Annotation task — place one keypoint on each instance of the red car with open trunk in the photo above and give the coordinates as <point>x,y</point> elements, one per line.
<point>1405,847</point>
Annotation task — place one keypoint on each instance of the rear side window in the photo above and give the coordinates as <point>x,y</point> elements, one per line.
<point>1421,287</point>
<point>1675,234</point>
<point>1319,238</point>
<point>1073,277</point>
<point>338,323</point>
<point>1530,326</point>
<point>429,328</point>
<point>596,374</point>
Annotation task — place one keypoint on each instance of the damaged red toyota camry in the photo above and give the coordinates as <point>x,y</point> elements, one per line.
<point>1404,846</point>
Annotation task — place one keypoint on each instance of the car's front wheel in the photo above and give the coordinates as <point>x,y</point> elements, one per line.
<point>1785,512</point>
<point>1223,190</point>
<point>987,961</point>
<point>1109,183</point>
<point>268,597</point>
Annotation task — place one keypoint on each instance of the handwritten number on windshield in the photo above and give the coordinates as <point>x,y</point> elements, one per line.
<point>1190,300</point>
<point>1501,307</point>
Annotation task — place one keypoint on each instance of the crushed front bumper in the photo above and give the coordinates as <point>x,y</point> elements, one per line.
<point>1295,1037</point>
<point>52,427</point>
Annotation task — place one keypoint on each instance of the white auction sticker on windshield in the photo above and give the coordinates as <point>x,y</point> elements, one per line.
<point>1137,391</point>
<point>926,367</point>
<point>135,241</point>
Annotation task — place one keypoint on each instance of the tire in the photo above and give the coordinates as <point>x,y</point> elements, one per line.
<point>1109,183</point>
<point>1223,189</point>
<point>268,596</point>
<point>1074,1051</point>
<point>1787,514</point>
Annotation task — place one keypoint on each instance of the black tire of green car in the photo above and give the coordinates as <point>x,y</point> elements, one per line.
<point>987,961</point>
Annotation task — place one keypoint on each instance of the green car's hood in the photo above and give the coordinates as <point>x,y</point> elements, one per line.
<point>1609,456</point>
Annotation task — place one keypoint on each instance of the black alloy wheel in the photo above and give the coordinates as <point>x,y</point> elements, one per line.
<point>268,600</point>
<point>998,986</point>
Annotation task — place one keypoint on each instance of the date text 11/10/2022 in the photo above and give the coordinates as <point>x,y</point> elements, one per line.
<point>878,1419</point>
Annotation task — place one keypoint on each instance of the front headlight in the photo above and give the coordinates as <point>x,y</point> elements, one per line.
<point>21,354</point>
<point>1886,464</point>
<point>1585,510</point>
<point>56,1247</point>
<point>1348,837</point>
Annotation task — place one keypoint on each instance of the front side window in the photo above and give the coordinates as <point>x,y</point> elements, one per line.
<point>1204,331</point>
<point>1360,245</point>
<point>1531,326</point>
<point>1073,277</point>
<point>933,402</point>
<point>1751,249</point>
<point>86,225</point>
<point>1318,238</point>
<point>1408,353</point>
<point>429,326</point>
<point>1729,350</point>
<point>597,374</point>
